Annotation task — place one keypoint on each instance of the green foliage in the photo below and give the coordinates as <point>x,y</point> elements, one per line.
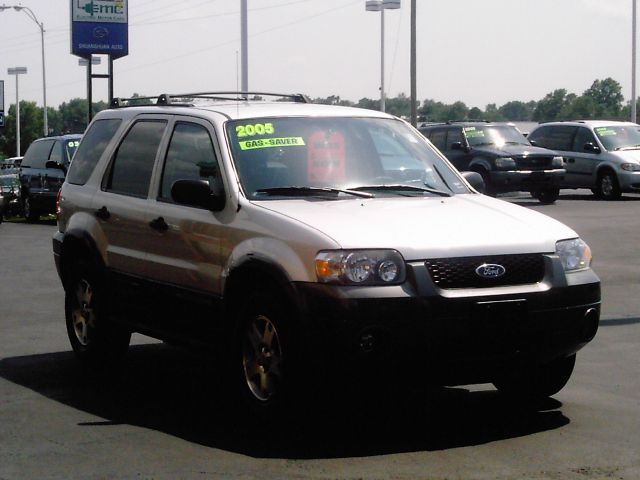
<point>603,100</point>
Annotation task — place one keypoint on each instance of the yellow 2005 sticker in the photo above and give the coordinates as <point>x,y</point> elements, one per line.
<point>255,129</point>
<point>272,142</point>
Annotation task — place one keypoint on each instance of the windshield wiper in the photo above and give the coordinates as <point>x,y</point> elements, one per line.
<point>406,188</point>
<point>629,147</point>
<point>309,191</point>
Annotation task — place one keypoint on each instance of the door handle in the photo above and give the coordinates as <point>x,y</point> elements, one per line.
<point>103,213</point>
<point>159,224</point>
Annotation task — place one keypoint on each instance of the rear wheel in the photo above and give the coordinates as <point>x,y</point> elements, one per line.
<point>538,381</point>
<point>30,214</point>
<point>93,338</point>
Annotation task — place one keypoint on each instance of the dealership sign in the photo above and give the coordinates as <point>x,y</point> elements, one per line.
<point>99,27</point>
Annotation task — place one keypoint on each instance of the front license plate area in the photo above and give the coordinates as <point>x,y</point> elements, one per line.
<point>503,316</point>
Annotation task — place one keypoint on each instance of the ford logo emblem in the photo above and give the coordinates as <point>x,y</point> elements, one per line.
<point>490,270</point>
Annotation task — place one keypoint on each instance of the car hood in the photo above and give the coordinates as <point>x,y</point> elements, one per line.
<point>627,155</point>
<point>516,150</point>
<point>462,225</point>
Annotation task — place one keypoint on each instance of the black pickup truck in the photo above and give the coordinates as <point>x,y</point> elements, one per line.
<point>42,173</point>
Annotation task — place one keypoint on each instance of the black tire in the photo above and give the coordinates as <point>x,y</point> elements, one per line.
<point>608,187</point>
<point>30,214</point>
<point>547,196</point>
<point>537,382</point>
<point>263,354</point>
<point>94,340</point>
<point>489,189</point>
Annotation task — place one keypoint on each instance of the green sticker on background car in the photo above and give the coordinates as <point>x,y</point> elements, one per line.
<point>272,142</point>
<point>605,131</point>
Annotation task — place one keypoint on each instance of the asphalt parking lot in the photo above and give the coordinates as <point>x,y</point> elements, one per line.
<point>161,416</point>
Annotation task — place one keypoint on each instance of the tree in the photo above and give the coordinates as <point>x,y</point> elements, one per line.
<point>549,108</point>
<point>475,114</point>
<point>492,113</point>
<point>608,98</point>
<point>516,111</point>
<point>578,108</point>
<point>368,103</point>
<point>31,125</point>
<point>399,106</point>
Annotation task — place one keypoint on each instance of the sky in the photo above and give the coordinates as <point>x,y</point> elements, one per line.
<point>479,52</point>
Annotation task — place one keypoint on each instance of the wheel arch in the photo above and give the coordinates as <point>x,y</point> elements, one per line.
<point>78,244</point>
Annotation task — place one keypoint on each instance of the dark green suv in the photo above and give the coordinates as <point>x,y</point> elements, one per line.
<point>502,155</point>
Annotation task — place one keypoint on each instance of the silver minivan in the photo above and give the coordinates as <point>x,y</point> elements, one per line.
<point>601,155</point>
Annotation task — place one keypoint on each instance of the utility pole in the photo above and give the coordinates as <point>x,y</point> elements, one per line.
<point>244,48</point>
<point>414,88</point>
<point>633,61</point>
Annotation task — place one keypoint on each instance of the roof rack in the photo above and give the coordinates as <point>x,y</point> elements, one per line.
<point>166,99</point>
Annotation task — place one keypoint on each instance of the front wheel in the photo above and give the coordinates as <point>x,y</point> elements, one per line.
<point>547,196</point>
<point>537,382</point>
<point>93,338</point>
<point>608,187</point>
<point>263,353</point>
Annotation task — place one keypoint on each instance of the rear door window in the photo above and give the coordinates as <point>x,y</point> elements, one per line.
<point>557,137</point>
<point>132,166</point>
<point>438,138</point>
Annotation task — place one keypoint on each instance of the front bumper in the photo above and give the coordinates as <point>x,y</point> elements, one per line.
<point>455,336</point>
<point>527,180</point>
<point>629,181</point>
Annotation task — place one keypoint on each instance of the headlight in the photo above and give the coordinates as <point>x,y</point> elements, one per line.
<point>557,162</point>
<point>505,162</point>
<point>360,267</point>
<point>575,254</point>
<point>631,167</point>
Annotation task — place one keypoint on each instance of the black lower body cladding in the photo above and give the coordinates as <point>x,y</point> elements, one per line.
<point>452,340</point>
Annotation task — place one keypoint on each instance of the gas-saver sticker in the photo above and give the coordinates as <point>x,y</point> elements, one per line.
<point>604,131</point>
<point>326,157</point>
<point>271,142</point>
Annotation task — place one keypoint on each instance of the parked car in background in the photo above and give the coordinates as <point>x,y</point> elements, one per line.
<point>601,155</point>
<point>42,173</point>
<point>10,203</point>
<point>502,155</point>
<point>10,165</point>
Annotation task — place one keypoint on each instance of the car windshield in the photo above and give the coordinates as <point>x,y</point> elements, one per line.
<point>498,135</point>
<point>344,157</point>
<point>619,137</point>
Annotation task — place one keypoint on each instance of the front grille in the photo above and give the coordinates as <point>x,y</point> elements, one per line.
<point>460,272</point>
<point>534,163</point>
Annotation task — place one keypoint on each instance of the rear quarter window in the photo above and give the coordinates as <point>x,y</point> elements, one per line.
<point>38,154</point>
<point>91,148</point>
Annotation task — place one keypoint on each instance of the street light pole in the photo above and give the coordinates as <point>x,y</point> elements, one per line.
<point>244,45</point>
<point>33,17</point>
<point>17,71</point>
<point>381,6</point>
<point>633,61</point>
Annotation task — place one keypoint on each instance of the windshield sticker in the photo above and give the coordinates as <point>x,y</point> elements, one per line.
<point>272,142</point>
<point>73,143</point>
<point>326,157</point>
<point>471,132</point>
<point>605,131</point>
<point>255,129</point>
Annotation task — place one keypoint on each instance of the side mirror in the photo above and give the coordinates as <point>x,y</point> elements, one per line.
<point>457,146</point>
<point>52,164</point>
<point>591,148</point>
<point>198,193</point>
<point>475,180</point>
<point>533,142</point>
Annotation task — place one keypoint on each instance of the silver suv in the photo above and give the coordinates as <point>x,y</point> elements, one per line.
<point>296,238</point>
<point>601,155</point>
